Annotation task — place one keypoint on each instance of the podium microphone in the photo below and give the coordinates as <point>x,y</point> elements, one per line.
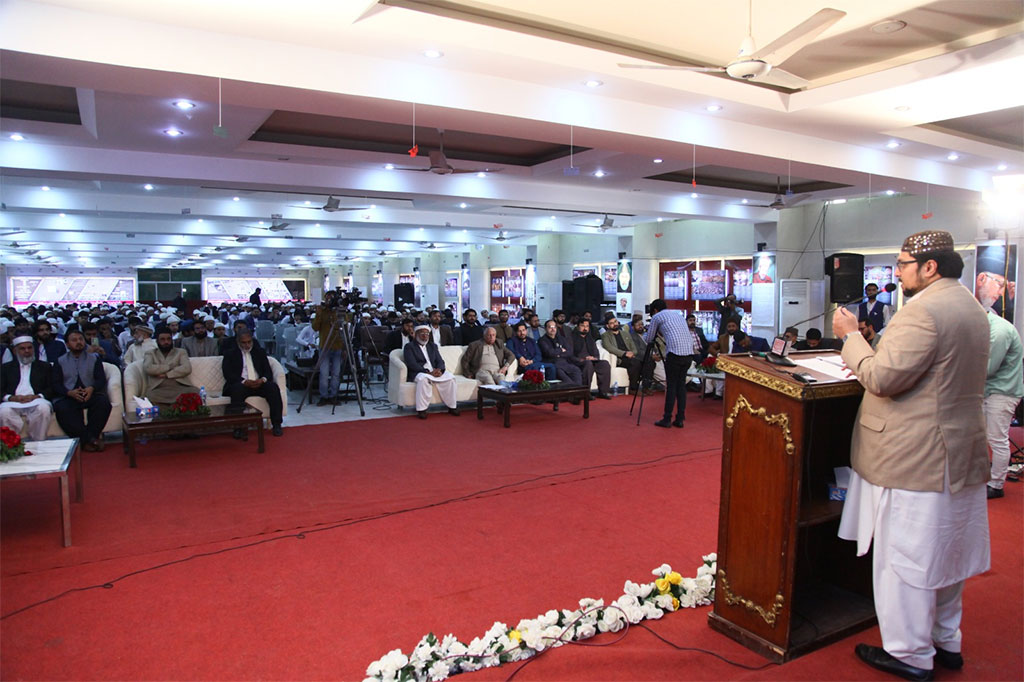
<point>888,288</point>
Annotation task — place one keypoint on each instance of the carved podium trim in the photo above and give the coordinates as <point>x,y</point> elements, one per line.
<point>732,599</point>
<point>781,420</point>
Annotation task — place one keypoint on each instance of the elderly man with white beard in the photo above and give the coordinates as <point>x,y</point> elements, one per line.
<point>26,391</point>
<point>426,369</point>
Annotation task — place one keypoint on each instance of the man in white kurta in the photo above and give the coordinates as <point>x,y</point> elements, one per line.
<point>920,459</point>
<point>426,369</point>
<point>26,387</point>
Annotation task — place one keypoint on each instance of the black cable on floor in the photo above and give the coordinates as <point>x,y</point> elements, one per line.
<point>301,535</point>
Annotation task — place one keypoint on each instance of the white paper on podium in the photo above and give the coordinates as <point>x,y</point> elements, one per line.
<point>828,365</point>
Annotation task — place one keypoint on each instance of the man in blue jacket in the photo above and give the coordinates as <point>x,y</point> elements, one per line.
<point>528,353</point>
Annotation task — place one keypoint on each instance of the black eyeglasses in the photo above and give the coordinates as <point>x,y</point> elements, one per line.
<point>901,263</point>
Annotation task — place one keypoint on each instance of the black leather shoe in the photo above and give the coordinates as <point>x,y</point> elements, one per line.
<point>880,659</point>
<point>277,430</point>
<point>663,423</point>
<point>422,415</point>
<point>321,402</point>
<point>950,660</point>
<point>994,493</point>
<point>678,423</point>
<point>454,411</point>
<point>604,396</point>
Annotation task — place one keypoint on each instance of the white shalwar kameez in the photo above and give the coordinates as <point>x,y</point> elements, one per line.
<point>926,545</point>
<point>425,382</point>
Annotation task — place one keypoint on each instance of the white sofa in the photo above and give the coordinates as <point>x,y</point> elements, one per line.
<point>402,392</point>
<point>205,372</point>
<point>113,393</point>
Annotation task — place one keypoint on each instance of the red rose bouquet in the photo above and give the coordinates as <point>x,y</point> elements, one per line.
<point>533,380</point>
<point>188,405</point>
<point>11,447</point>
<point>708,364</point>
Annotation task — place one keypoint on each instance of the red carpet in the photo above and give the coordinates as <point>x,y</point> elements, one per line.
<point>586,505</point>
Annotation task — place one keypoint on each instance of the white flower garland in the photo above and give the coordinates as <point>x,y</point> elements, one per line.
<point>436,660</point>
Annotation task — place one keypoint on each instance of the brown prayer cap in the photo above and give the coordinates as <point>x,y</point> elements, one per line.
<point>928,241</point>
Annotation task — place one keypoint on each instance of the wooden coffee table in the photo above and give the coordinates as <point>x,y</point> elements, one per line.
<point>507,398</point>
<point>221,418</point>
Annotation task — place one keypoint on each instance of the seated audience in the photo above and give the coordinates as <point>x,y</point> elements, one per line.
<point>527,353</point>
<point>143,344</point>
<point>200,345</point>
<point>503,328</point>
<point>80,384</point>
<point>792,335</point>
<point>440,334</point>
<point>26,391</point>
<point>535,331</point>
<point>812,341</point>
<point>426,369</point>
<point>691,322</point>
<point>732,340</point>
<point>586,356</point>
<point>47,346</point>
<point>247,372</point>
<point>470,330</point>
<point>398,338</point>
<point>867,330</point>
<point>487,360</point>
<point>657,359</point>
<point>167,370</point>
<point>229,343</point>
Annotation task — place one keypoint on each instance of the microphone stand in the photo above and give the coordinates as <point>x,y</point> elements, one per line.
<point>856,301</point>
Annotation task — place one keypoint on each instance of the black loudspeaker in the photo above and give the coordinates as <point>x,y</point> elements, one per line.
<point>568,297</point>
<point>589,295</point>
<point>846,272</point>
<point>404,294</point>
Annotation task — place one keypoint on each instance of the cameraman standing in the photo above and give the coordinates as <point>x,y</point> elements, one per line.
<point>324,322</point>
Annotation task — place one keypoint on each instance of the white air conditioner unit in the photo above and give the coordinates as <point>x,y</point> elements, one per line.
<point>798,300</point>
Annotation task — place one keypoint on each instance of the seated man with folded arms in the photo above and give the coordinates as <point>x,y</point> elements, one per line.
<point>620,344</point>
<point>555,350</point>
<point>586,356</point>
<point>487,360</point>
<point>247,372</point>
<point>426,369</point>
<point>80,383</point>
<point>527,352</point>
<point>167,370</point>
<point>26,391</point>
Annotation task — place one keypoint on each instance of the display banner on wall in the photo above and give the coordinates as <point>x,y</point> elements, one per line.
<point>238,289</point>
<point>624,287</point>
<point>60,290</point>
<point>995,278</point>
<point>530,287</point>
<point>762,290</point>
<point>464,285</point>
<point>377,289</point>
<point>880,275</point>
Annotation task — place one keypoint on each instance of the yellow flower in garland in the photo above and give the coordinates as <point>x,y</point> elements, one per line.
<point>675,603</point>
<point>674,578</point>
<point>515,636</point>
<point>663,585</point>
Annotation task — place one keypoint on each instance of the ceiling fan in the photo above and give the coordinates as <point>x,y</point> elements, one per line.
<point>503,237</point>
<point>606,224</point>
<point>331,205</point>
<point>241,239</point>
<point>778,203</point>
<point>276,224</point>
<point>440,166</point>
<point>761,66</point>
<point>386,253</point>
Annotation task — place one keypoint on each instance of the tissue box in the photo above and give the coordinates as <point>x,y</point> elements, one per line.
<point>147,412</point>
<point>836,493</point>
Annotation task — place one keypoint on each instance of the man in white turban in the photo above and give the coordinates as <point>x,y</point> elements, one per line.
<point>26,391</point>
<point>427,371</point>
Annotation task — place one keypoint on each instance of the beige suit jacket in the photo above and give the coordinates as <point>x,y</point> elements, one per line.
<point>176,366</point>
<point>922,409</point>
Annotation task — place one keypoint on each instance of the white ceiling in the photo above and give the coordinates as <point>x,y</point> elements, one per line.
<point>128,61</point>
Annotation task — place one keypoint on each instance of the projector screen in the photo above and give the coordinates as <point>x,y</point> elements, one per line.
<point>24,291</point>
<point>238,289</point>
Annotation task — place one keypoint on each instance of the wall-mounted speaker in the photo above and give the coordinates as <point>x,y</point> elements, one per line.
<point>404,294</point>
<point>846,276</point>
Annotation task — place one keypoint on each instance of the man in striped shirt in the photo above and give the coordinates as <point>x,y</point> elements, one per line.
<point>682,348</point>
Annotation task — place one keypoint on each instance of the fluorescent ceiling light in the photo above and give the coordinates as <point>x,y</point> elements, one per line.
<point>481,174</point>
<point>184,104</point>
<point>235,199</point>
<point>892,144</point>
<point>147,187</point>
<point>173,132</point>
<point>463,205</point>
<point>658,160</point>
<point>45,188</point>
<point>389,166</point>
<point>694,195</point>
<point>17,137</point>
<point>953,156</point>
<point>889,192</point>
<point>599,174</point>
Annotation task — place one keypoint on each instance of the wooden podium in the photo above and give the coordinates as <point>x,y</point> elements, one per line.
<point>786,584</point>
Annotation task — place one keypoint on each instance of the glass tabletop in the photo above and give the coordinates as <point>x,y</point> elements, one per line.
<point>215,411</point>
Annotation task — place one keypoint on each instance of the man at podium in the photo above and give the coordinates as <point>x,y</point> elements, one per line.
<point>920,459</point>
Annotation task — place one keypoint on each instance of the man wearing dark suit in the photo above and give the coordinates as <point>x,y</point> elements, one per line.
<point>527,353</point>
<point>555,350</point>
<point>440,334</point>
<point>80,383</point>
<point>398,338</point>
<point>588,359</point>
<point>426,369</point>
<point>470,330</point>
<point>247,373</point>
<point>619,343</point>
<point>25,391</point>
<point>48,347</point>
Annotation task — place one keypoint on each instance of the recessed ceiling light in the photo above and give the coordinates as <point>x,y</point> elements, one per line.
<point>261,222</point>
<point>892,144</point>
<point>694,195</point>
<point>659,160</point>
<point>17,137</point>
<point>1002,167</point>
<point>953,156</point>
<point>199,220</point>
<point>903,107</point>
<point>373,205</point>
<point>660,219</point>
<point>890,192</point>
<point>599,174</point>
<point>173,132</point>
<point>553,217</point>
<point>464,231</point>
<point>433,54</point>
<point>308,203</point>
<point>45,188</point>
<point>744,201</point>
<point>317,225</point>
<point>184,104</point>
<point>713,107</point>
<point>147,187</point>
<point>888,26</point>
<point>389,166</point>
<point>62,215</point>
<point>593,83</point>
<point>481,174</point>
<point>235,199</point>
